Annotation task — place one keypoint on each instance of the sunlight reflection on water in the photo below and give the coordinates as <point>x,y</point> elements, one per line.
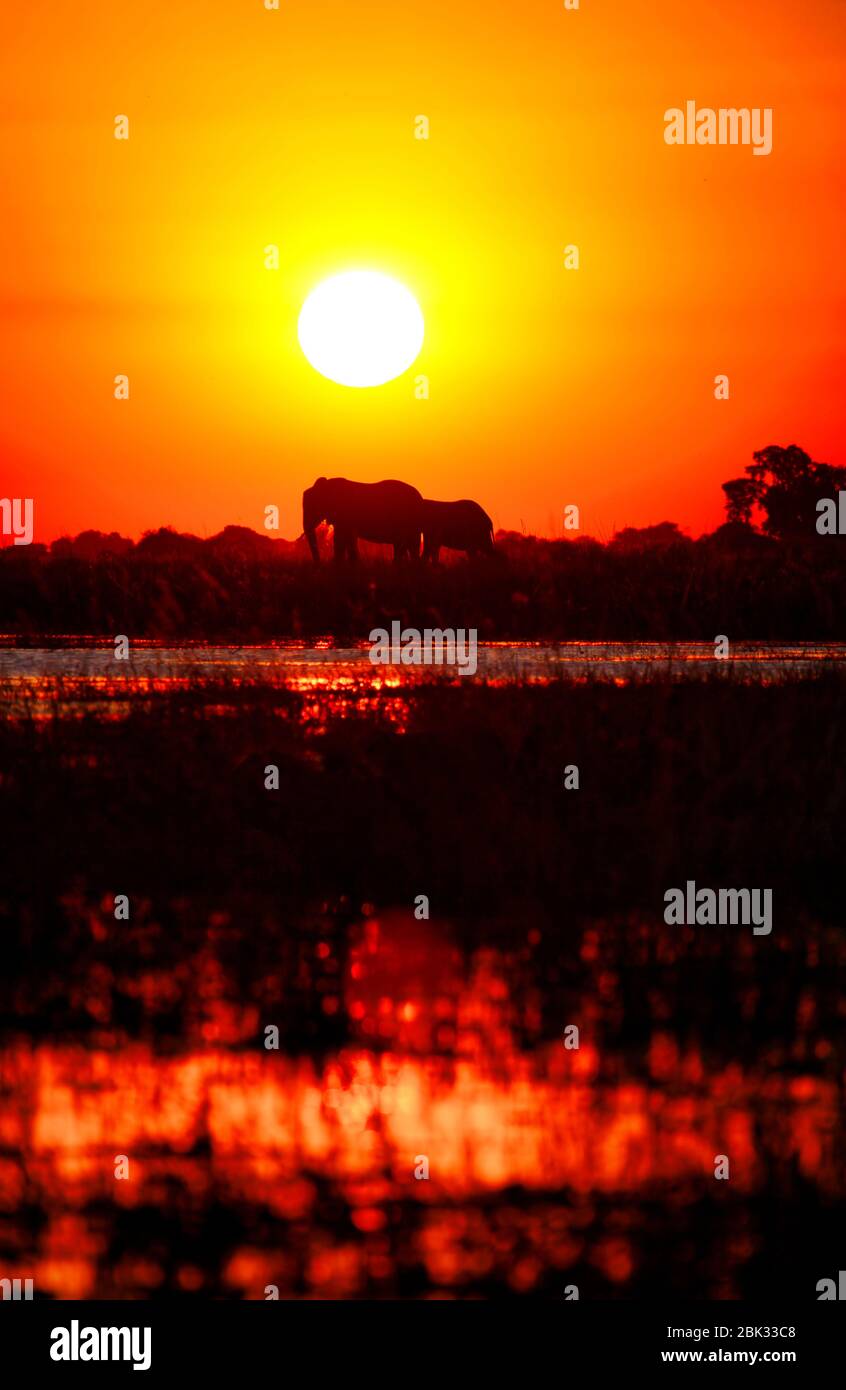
<point>542,1159</point>
<point>262,1133</point>
<point>292,662</point>
<point>38,681</point>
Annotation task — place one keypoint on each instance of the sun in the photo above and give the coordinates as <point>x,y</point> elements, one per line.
<point>361,328</point>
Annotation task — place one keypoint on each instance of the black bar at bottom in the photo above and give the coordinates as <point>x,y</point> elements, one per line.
<point>380,1341</point>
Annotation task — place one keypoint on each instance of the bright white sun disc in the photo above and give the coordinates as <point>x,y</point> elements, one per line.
<point>361,328</point>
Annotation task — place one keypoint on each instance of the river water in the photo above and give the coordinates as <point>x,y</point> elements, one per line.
<point>297,665</point>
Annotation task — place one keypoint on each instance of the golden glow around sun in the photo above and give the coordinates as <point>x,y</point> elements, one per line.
<point>361,328</point>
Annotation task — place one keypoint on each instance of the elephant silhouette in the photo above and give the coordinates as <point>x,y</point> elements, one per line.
<point>456,526</point>
<point>388,512</point>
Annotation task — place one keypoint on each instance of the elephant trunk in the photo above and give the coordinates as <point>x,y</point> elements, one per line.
<point>311,537</point>
<point>311,521</point>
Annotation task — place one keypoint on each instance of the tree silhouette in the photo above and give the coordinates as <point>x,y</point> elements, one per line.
<point>786,484</point>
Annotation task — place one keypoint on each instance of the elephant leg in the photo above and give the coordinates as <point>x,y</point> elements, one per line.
<point>344,546</point>
<point>406,548</point>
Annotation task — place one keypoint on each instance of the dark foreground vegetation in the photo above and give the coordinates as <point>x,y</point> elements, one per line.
<point>730,785</point>
<point>766,574</point>
<point>250,906</point>
<point>653,584</point>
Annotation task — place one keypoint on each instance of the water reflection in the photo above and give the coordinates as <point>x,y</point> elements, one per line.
<point>250,1167</point>
<point>84,679</point>
<point>303,667</point>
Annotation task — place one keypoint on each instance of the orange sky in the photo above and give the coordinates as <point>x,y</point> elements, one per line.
<point>296,127</point>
